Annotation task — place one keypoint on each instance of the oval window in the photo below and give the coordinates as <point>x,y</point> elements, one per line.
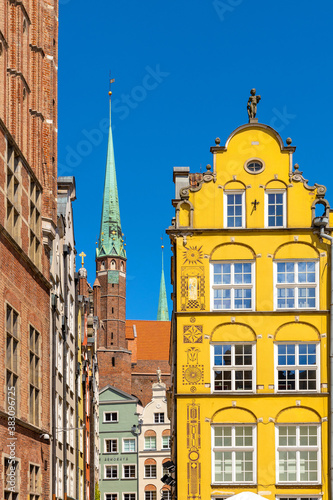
<point>254,166</point>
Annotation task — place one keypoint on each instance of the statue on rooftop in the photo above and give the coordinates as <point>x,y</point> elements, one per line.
<point>159,375</point>
<point>252,104</point>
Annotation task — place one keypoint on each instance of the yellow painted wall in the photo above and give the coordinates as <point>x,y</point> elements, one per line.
<point>197,327</point>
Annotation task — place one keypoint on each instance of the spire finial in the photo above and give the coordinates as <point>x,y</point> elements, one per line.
<point>162,312</point>
<point>82,255</point>
<point>109,242</point>
<point>111,80</point>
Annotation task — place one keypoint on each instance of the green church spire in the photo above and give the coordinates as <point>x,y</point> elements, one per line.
<point>162,312</point>
<point>110,240</point>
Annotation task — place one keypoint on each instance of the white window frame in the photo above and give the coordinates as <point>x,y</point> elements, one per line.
<point>296,368</point>
<point>110,421</point>
<point>168,447</point>
<point>298,449</point>
<point>114,466</point>
<point>150,477</point>
<point>111,439</point>
<point>135,471</point>
<point>149,437</point>
<point>233,449</point>
<point>169,494</point>
<point>151,491</point>
<point>300,497</point>
<point>284,202</point>
<point>232,286</point>
<point>296,285</point>
<point>123,445</point>
<point>159,413</point>
<point>110,493</point>
<point>233,368</point>
<point>129,493</point>
<point>225,207</point>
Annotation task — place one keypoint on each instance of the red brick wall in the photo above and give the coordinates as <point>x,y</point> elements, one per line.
<point>28,121</point>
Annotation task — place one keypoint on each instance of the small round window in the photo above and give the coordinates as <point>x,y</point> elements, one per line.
<point>254,166</point>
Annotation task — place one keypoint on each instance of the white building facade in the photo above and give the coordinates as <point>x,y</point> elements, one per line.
<point>154,446</point>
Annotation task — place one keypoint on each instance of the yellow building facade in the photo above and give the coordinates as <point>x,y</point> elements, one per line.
<point>251,324</point>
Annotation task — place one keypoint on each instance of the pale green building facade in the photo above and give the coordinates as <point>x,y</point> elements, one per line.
<point>118,431</point>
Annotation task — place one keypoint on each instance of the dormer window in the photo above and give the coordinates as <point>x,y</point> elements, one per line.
<point>254,166</point>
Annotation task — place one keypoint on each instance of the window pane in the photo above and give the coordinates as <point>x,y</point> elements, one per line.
<point>287,435</point>
<point>222,436</point>
<point>222,381</point>
<point>287,466</point>
<point>222,355</point>
<point>223,466</point>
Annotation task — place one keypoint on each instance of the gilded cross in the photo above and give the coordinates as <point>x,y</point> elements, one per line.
<point>82,255</point>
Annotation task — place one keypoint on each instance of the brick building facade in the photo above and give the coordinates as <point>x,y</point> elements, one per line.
<point>28,176</point>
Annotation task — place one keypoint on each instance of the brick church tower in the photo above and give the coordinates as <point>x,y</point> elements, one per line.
<point>114,358</point>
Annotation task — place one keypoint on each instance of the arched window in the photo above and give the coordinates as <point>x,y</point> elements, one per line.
<point>166,439</point>
<point>150,492</point>
<point>150,440</point>
<point>113,264</point>
<point>102,265</point>
<point>122,266</point>
<point>150,468</point>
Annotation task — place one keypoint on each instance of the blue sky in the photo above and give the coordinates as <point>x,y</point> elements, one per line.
<point>183,74</point>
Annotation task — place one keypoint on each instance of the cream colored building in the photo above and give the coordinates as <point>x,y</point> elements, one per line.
<point>154,446</point>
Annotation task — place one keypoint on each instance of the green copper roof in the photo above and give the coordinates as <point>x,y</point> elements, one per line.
<point>110,240</point>
<point>162,312</point>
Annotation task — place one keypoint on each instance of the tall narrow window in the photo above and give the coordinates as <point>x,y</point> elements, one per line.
<point>34,376</point>
<point>234,209</point>
<point>275,209</point>
<point>34,482</point>
<point>12,344</point>
<point>11,475</point>
<point>13,193</point>
<point>35,223</point>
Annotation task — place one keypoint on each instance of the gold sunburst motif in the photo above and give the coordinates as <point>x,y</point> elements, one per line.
<point>192,374</point>
<point>193,255</point>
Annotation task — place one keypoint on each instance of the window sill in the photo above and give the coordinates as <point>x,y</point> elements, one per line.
<point>227,485</point>
<point>233,392</point>
<point>298,485</point>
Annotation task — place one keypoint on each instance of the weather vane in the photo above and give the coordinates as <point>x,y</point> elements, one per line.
<point>110,82</point>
